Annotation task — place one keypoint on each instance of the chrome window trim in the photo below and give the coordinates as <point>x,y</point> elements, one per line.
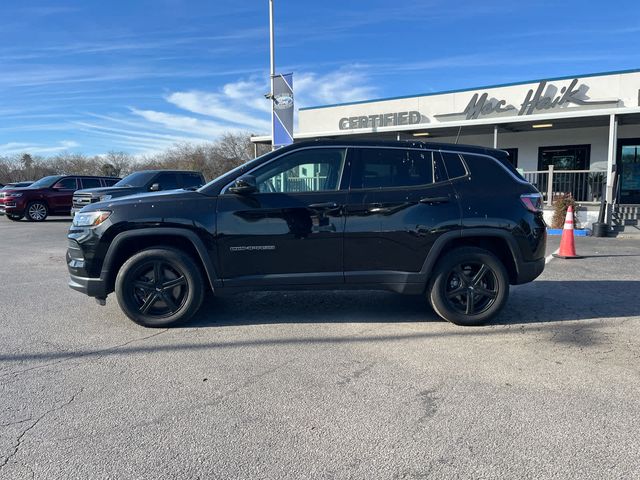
<point>347,147</point>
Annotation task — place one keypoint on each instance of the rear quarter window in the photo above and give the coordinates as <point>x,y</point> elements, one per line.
<point>453,164</point>
<point>489,170</point>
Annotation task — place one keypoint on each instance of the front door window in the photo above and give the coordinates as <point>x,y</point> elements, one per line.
<point>313,170</point>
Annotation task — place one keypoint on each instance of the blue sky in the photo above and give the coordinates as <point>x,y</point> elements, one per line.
<point>136,75</point>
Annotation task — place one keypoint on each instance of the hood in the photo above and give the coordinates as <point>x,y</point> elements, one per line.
<point>21,189</point>
<point>119,191</point>
<point>143,198</point>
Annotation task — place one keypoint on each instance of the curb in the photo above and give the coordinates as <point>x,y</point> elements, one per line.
<point>577,233</point>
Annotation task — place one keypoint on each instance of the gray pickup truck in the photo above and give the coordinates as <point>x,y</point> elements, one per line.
<point>138,182</point>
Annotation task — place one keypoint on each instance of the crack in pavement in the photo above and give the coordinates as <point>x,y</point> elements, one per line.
<point>19,441</point>
<point>17,422</point>
<point>72,356</point>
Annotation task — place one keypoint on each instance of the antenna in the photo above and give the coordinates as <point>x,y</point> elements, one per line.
<point>458,136</point>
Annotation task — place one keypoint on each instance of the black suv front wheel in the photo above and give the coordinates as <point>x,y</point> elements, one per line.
<point>469,286</point>
<point>159,287</point>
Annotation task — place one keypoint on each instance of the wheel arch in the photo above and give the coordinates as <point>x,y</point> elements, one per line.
<point>499,242</point>
<point>128,243</point>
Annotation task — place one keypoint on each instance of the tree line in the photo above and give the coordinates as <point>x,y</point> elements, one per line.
<point>212,159</point>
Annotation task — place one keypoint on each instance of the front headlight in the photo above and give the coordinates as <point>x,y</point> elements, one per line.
<point>13,195</point>
<point>104,198</point>
<point>90,219</point>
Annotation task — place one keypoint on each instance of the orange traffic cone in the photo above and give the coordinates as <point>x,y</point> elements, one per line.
<point>567,243</point>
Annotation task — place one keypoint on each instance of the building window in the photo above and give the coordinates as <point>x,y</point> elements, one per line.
<point>567,157</point>
<point>513,156</point>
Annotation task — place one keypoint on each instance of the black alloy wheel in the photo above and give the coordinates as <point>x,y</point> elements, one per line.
<point>159,287</point>
<point>469,287</point>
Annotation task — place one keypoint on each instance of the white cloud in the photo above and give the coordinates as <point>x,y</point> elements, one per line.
<point>203,116</point>
<point>340,86</point>
<point>241,104</point>
<point>183,123</point>
<point>20,147</point>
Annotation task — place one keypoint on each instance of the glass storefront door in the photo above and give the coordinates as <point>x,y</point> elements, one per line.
<point>629,169</point>
<point>569,157</point>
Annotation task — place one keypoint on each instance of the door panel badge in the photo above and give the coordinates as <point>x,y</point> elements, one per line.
<point>252,248</point>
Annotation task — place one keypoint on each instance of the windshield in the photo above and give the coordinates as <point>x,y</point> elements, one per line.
<point>45,182</point>
<point>137,179</point>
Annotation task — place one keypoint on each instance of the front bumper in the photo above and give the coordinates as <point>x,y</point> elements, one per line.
<point>12,207</point>
<point>93,287</point>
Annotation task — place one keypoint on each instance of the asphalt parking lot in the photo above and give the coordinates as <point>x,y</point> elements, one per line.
<point>320,385</point>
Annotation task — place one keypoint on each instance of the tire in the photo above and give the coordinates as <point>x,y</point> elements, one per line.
<point>36,211</point>
<point>142,291</point>
<point>15,218</point>
<point>469,286</point>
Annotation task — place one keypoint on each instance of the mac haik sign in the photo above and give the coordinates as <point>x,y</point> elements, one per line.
<point>545,97</point>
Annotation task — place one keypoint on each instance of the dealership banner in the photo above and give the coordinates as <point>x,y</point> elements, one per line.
<point>282,111</point>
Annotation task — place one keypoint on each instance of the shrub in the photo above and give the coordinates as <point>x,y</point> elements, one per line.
<point>560,207</point>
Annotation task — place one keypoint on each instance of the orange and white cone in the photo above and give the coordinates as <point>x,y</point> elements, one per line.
<point>567,242</point>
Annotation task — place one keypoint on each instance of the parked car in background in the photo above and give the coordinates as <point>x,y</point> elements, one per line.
<point>456,224</point>
<point>50,195</point>
<point>139,182</point>
<point>17,185</point>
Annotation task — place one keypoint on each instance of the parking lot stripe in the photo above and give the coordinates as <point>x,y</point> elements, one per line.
<point>548,258</point>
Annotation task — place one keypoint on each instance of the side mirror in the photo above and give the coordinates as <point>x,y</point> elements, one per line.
<point>244,185</point>
<point>154,187</point>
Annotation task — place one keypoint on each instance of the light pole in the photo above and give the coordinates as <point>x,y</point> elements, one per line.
<point>272,67</point>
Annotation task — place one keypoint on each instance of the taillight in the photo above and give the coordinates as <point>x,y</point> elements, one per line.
<point>532,201</point>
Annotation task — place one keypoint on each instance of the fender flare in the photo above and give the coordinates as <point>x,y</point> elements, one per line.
<point>191,236</point>
<point>442,241</point>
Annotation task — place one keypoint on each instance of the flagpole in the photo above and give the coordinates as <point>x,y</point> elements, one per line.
<point>272,67</point>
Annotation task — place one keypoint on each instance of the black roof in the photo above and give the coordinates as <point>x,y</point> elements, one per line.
<point>63,175</point>
<point>397,143</point>
<point>169,171</point>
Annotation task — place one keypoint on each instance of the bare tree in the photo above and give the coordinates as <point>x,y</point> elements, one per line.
<point>212,159</point>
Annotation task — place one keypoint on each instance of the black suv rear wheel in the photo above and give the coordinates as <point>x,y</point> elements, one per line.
<point>469,286</point>
<point>159,287</point>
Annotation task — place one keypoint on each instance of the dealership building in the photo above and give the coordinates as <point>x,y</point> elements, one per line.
<point>577,134</point>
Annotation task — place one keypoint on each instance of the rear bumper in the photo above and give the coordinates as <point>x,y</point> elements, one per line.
<point>529,271</point>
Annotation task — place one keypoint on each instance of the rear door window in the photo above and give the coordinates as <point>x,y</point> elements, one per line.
<point>91,183</point>
<point>378,168</point>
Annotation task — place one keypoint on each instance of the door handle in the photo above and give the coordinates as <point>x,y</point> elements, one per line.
<point>323,206</point>
<point>378,208</point>
<point>434,200</point>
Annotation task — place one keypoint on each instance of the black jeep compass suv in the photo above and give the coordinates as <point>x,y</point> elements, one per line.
<point>455,223</point>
